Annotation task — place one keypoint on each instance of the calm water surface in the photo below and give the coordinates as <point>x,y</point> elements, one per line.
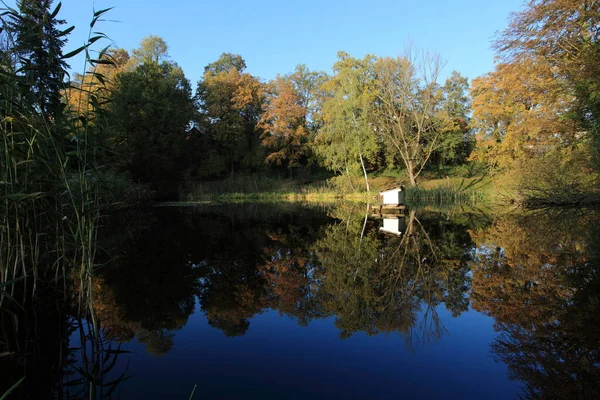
<point>279,301</point>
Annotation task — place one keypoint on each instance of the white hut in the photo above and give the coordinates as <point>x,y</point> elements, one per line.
<point>395,226</point>
<point>393,197</point>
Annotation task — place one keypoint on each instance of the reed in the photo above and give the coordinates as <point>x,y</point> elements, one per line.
<point>417,197</point>
<point>50,204</point>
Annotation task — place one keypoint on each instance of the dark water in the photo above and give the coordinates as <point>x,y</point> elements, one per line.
<point>274,301</point>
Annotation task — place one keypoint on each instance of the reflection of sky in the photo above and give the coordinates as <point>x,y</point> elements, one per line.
<point>277,358</point>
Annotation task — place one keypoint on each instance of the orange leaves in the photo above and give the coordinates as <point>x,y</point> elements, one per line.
<point>241,89</point>
<point>98,82</point>
<point>531,103</point>
<point>284,124</point>
<point>520,109</point>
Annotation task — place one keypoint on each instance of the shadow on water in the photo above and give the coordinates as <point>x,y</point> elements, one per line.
<point>535,274</point>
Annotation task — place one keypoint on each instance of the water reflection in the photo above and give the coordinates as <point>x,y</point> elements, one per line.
<point>536,275</point>
<point>380,284</point>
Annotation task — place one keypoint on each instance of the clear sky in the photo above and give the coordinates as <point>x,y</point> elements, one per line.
<point>273,36</point>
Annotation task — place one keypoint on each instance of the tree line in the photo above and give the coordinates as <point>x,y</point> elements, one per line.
<point>370,114</point>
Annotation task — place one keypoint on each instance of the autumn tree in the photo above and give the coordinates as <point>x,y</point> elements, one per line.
<point>566,35</point>
<point>409,113</point>
<point>288,119</point>
<point>347,136</point>
<point>540,104</point>
<point>521,110</point>
<point>95,87</point>
<point>231,102</point>
<point>285,134</point>
<point>536,274</point>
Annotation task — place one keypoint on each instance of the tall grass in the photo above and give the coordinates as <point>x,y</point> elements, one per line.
<point>255,188</point>
<point>49,199</point>
<point>417,197</point>
<point>264,189</point>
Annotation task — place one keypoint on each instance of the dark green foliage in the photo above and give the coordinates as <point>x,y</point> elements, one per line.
<point>458,142</point>
<point>226,62</point>
<point>151,110</point>
<point>38,50</point>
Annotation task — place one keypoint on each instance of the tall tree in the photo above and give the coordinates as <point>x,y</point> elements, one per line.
<point>409,110</point>
<point>283,122</point>
<point>39,43</point>
<point>565,34</point>
<point>456,143</point>
<point>521,110</point>
<point>151,110</point>
<point>288,119</point>
<point>347,136</point>
<point>231,103</point>
<point>152,50</point>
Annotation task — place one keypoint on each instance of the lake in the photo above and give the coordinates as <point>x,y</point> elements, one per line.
<point>291,301</point>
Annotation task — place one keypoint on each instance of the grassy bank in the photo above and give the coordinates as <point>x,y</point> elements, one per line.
<point>261,189</point>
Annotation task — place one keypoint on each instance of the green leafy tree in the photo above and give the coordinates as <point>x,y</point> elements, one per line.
<point>151,111</point>
<point>456,143</point>
<point>153,50</point>
<point>409,114</point>
<point>225,63</point>
<point>347,136</point>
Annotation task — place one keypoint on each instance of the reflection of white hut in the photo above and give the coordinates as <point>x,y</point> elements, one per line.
<point>392,197</point>
<point>395,226</point>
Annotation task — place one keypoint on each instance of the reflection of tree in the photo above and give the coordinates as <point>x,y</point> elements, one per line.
<point>256,262</point>
<point>149,286</point>
<point>232,289</point>
<point>537,275</point>
<point>289,271</point>
<point>158,342</point>
<point>240,263</point>
<point>384,284</point>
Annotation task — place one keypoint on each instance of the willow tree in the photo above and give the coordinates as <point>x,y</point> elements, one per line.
<point>409,112</point>
<point>347,136</point>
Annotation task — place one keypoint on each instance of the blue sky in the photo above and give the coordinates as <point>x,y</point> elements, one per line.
<point>273,36</point>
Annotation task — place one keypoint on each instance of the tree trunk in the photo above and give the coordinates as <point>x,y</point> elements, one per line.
<point>411,174</point>
<point>362,164</point>
<point>349,178</point>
